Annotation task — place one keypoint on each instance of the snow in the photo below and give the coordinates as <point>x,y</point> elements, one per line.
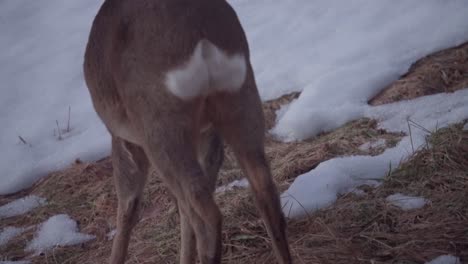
<point>359,192</point>
<point>319,187</point>
<point>14,262</point>
<point>445,259</point>
<point>9,233</point>
<point>381,142</point>
<point>41,71</point>
<point>111,234</point>
<point>465,127</point>
<point>58,230</point>
<point>339,54</point>
<point>406,202</point>
<point>21,206</point>
<point>242,183</point>
<point>347,53</point>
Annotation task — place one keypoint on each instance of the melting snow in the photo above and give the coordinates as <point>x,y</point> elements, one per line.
<point>445,259</point>
<point>111,234</point>
<point>21,206</point>
<point>320,187</point>
<point>406,202</point>
<point>243,183</point>
<point>373,145</point>
<point>9,233</point>
<point>58,230</point>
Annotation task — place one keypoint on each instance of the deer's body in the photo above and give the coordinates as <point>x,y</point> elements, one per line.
<point>170,79</point>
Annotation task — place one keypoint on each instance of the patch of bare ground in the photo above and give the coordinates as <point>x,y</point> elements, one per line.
<point>441,72</point>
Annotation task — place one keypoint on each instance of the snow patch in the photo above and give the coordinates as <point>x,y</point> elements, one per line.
<point>359,192</point>
<point>9,233</point>
<point>243,183</point>
<point>406,202</point>
<point>345,55</point>
<point>21,206</point>
<point>58,230</point>
<point>320,186</point>
<point>41,71</point>
<point>381,142</point>
<point>111,234</point>
<point>445,259</point>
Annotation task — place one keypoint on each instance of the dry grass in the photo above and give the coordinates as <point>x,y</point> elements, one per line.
<point>366,229</point>
<point>443,71</point>
<point>356,229</point>
<point>85,191</point>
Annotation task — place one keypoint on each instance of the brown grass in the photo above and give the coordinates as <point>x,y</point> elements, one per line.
<point>368,230</point>
<point>443,71</point>
<point>356,229</point>
<point>85,191</point>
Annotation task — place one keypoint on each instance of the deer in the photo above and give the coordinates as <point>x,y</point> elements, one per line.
<point>172,82</point>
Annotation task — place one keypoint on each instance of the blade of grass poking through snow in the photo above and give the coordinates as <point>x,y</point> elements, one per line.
<point>68,121</point>
<point>58,131</point>
<point>410,135</point>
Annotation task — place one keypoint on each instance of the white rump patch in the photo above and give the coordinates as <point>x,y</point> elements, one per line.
<point>209,69</point>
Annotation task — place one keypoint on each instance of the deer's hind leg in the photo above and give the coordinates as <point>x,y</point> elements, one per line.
<point>241,123</point>
<point>171,144</point>
<point>131,168</point>
<point>210,156</point>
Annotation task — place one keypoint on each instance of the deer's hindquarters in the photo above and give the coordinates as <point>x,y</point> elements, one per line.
<point>209,69</point>
<point>171,79</point>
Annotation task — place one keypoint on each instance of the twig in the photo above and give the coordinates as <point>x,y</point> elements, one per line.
<point>303,208</point>
<point>69,116</point>
<point>24,141</point>
<point>410,134</point>
<point>58,129</point>
<point>420,126</point>
<point>389,173</point>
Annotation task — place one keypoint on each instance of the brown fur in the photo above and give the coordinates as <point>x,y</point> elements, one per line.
<point>132,45</point>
